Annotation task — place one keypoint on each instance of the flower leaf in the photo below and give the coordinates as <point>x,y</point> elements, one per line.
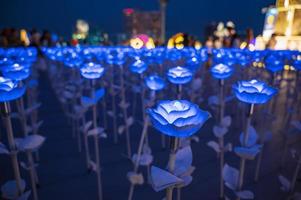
<point>230,175</point>
<point>162,179</point>
<point>214,145</point>
<point>245,194</point>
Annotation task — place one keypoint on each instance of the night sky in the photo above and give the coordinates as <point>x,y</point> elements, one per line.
<point>189,16</point>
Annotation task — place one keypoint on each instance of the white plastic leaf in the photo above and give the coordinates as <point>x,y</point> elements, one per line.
<point>110,113</point>
<point>186,181</point>
<point>37,125</point>
<point>226,121</point>
<point>9,189</point>
<point>219,131</point>
<point>24,165</point>
<point>121,129</point>
<point>252,138</point>
<point>162,179</point>
<point>99,94</point>
<point>117,87</point>
<point>213,100</point>
<point>3,149</point>
<point>245,194</point>
<point>183,160</point>
<point>197,84</point>
<point>135,179</point>
<point>188,172</point>
<point>31,142</point>
<point>79,110</point>
<point>195,138</point>
<point>93,166</point>
<point>86,127</point>
<point>248,152</point>
<point>230,175</point>
<point>32,108</point>
<point>285,183</point>
<point>146,149</point>
<point>87,101</point>
<point>95,131</point>
<point>145,159</point>
<point>67,94</point>
<point>228,147</point>
<point>129,121</point>
<point>214,145</point>
<point>124,105</point>
<point>24,196</point>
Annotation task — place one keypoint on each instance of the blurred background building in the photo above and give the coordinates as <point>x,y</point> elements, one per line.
<point>142,22</point>
<point>282,27</point>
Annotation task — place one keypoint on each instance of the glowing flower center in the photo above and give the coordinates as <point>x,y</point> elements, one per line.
<point>222,68</point>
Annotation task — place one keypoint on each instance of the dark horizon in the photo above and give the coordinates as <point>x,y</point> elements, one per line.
<point>190,17</point>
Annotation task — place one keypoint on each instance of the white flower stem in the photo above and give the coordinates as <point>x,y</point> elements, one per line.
<point>258,164</point>
<point>221,139</point>
<point>179,91</point>
<point>114,107</point>
<point>79,140</point>
<point>178,193</point>
<point>96,146</point>
<point>12,146</point>
<point>86,145</point>
<point>171,164</point>
<point>245,139</point>
<point>125,114</point>
<point>32,174</point>
<point>142,96</point>
<point>33,116</point>
<point>24,127</point>
<point>104,111</point>
<point>140,147</point>
<point>296,172</point>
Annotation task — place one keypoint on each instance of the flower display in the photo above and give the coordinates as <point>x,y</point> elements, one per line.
<point>138,67</point>
<point>274,64</point>
<point>297,64</point>
<point>9,90</point>
<point>154,82</point>
<point>16,72</point>
<point>221,71</point>
<point>92,71</point>
<point>179,75</point>
<point>253,91</point>
<point>178,118</point>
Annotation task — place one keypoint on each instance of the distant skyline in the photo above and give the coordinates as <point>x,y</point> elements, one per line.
<point>190,16</point>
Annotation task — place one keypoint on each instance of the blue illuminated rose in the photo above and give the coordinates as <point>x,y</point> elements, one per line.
<point>253,91</point>
<point>92,71</point>
<point>154,82</point>
<point>16,72</point>
<point>178,118</point>
<point>274,63</point>
<point>138,66</point>
<point>179,75</point>
<point>9,90</point>
<point>221,71</point>
<point>297,64</point>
